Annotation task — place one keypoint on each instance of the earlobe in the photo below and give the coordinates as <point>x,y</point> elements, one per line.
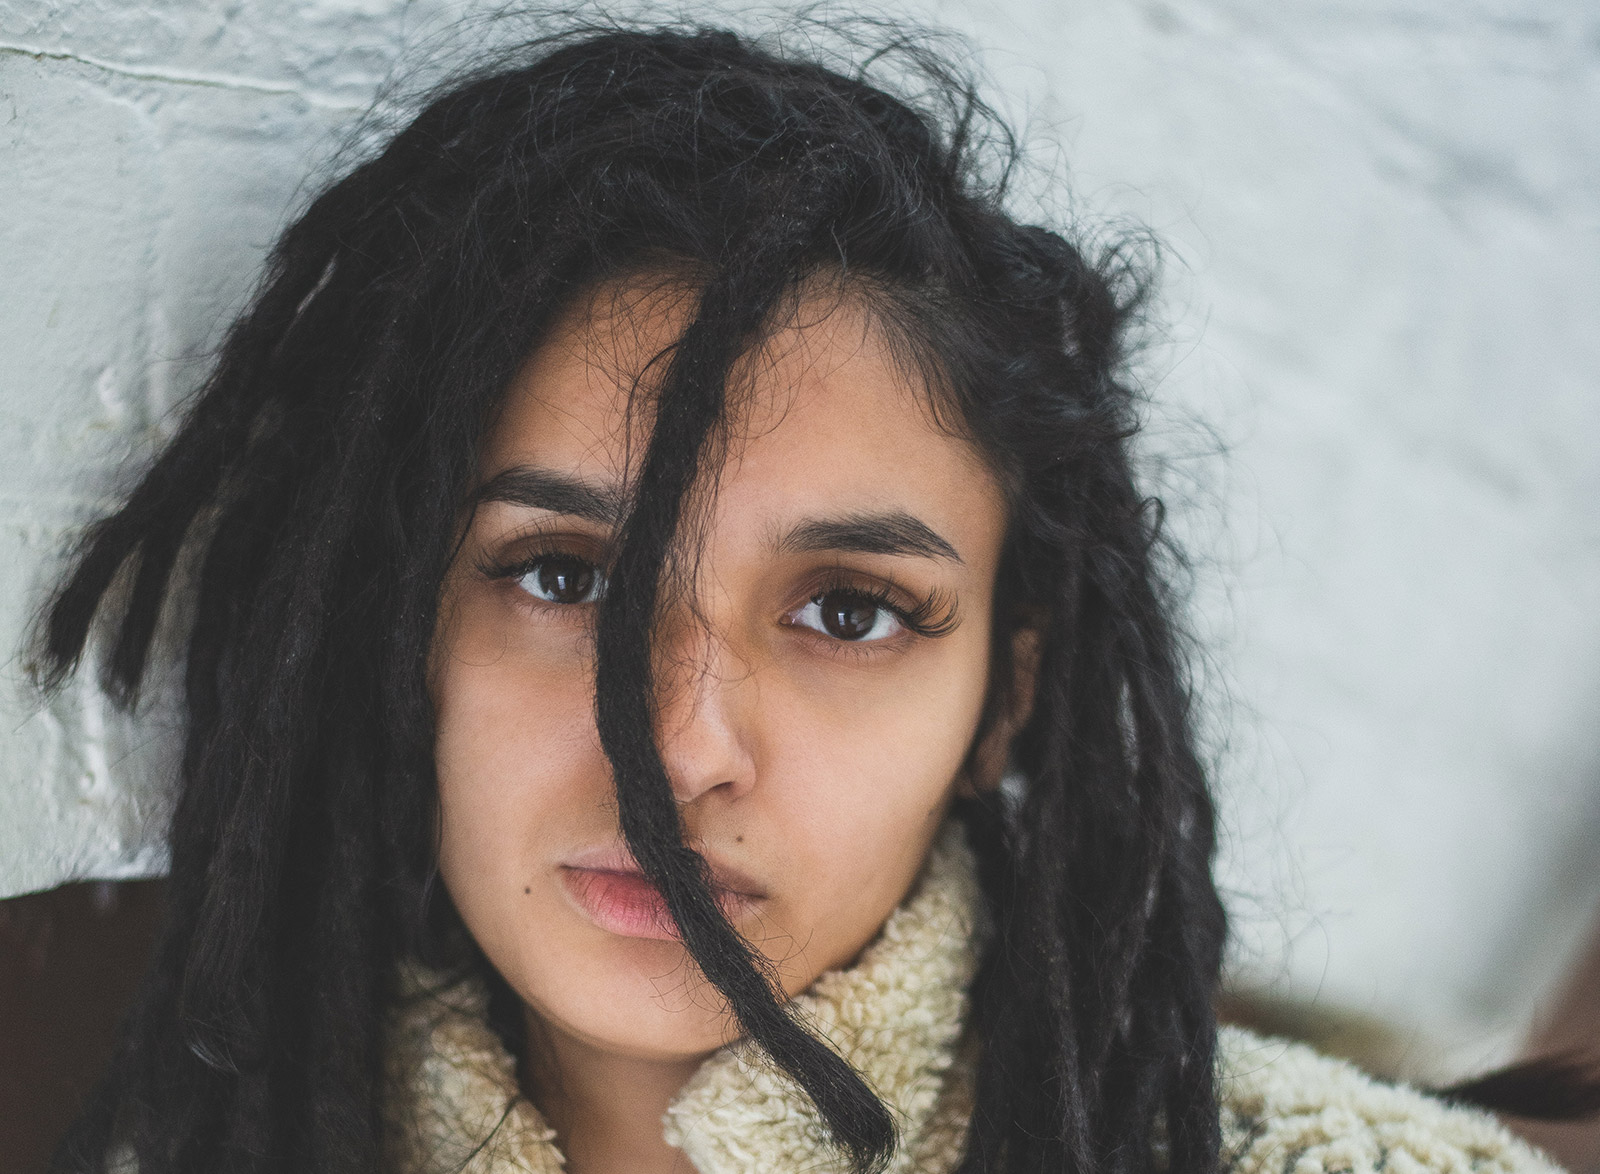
<point>991,754</point>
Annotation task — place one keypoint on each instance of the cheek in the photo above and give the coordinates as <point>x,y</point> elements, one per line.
<point>863,776</point>
<point>510,697</point>
<point>522,783</point>
<point>516,760</point>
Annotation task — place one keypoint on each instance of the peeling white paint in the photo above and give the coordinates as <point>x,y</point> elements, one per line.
<point>1384,225</point>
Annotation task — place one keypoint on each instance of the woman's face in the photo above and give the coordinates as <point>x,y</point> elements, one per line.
<point>819,692</point>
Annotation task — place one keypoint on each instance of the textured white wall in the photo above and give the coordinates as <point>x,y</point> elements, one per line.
<point>1383,224</point>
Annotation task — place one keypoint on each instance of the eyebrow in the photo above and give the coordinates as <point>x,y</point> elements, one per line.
<point>886,532</point>
<point>560,494</point>
<point>889,532</point>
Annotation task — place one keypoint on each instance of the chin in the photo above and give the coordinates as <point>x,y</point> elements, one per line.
<point>641,999</point>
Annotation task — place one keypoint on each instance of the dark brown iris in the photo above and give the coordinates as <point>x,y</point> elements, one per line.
<point>847,616</point>
<point>563,579</point>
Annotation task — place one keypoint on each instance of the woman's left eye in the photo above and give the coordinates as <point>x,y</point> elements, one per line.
<point>563,578</point>
<point>848,615</point>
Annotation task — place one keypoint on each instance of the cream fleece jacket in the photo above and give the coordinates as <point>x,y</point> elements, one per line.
<point>897,1016</point>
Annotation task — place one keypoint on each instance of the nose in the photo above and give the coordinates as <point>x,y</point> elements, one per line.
<point>705,697</point>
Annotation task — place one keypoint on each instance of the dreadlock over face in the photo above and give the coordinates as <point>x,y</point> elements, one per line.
<point>321,480</point>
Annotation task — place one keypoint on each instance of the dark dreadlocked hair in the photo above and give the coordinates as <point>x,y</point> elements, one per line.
<point>316,489</point>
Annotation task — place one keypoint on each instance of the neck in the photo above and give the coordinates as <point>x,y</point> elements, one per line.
<point>606,1108</point>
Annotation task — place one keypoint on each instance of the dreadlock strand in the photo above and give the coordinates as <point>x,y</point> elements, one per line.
<point>690,405</point>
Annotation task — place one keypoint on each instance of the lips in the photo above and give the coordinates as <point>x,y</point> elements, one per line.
<point>613,892</point>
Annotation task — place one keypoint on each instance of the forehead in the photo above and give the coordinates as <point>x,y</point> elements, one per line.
<point>822,415</point>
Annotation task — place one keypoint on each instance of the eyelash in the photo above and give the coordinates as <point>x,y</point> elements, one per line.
<point>526,564</point>
<point>931,617</point>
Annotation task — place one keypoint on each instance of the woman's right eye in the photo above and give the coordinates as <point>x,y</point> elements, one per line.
<point>563,578</point>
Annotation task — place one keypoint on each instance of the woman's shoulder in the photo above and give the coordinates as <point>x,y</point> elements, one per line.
<point>1287,1109</point>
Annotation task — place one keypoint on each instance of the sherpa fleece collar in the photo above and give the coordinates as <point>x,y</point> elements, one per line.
<point>895,1015</point>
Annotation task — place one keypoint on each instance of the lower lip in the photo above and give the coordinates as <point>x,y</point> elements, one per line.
<point>626,904</point>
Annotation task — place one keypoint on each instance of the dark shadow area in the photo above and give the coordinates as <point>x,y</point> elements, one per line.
<point>70,960</point>
<point>1571,1025</point>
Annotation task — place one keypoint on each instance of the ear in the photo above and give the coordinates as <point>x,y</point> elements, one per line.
<point>986,764</point>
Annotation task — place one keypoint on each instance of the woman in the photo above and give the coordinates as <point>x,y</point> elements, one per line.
<point>671,632</point>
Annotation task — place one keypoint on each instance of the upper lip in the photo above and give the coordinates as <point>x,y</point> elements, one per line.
<point>616,858</point>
